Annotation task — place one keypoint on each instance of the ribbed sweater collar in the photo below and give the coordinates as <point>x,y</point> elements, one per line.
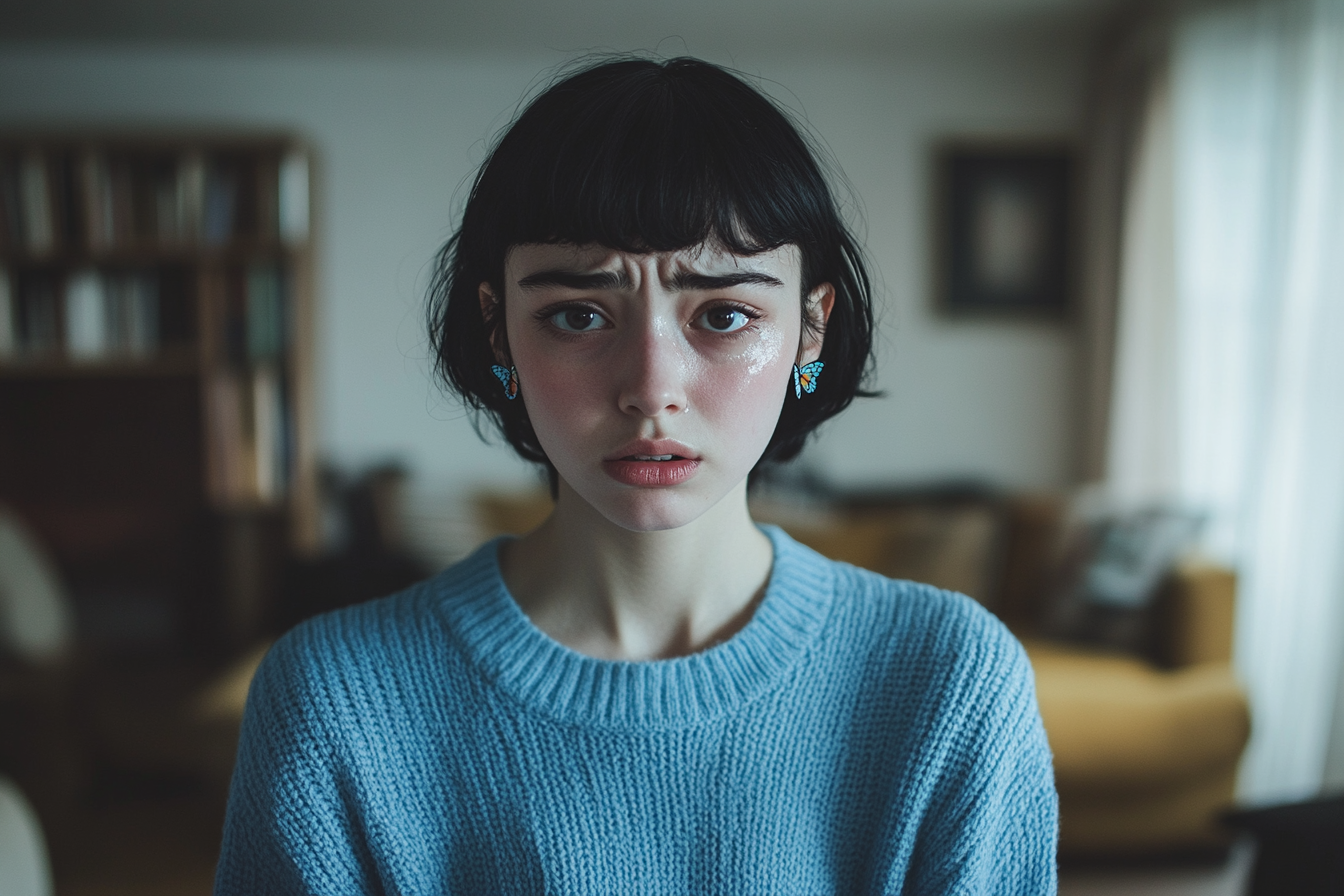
<point>539,672</point>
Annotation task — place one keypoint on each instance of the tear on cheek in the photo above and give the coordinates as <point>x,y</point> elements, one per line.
<point>764,352</point>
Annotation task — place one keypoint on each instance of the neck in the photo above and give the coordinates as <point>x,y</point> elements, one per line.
<point>612,593</point>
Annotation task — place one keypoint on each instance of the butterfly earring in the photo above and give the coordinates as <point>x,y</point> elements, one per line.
<point>805,378</point>
<point>508,377</point>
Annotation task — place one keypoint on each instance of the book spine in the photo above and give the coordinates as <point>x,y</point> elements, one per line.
<point>191,195</point>
<point>121,193</point>
<point>96,184</point>
<point>233,318</point>
<point>268,198</point>
<point>116,316</point>
<point>167,205</point>
<point>294,198</point>
<point>39,234</point>
<point>37,317</point>
<point>224,460</point>
<point>221,199</point>
<point>68,200</point>
<point>86,330</point>
<point>8,343</point>
<point>267,432</point>
<point>265,313</point>
<point>142,315</point>
<point>11,228</point>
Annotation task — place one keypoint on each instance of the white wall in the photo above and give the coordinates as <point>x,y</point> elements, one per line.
<point>398,134</point>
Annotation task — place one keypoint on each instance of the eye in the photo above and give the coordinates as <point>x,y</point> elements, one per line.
<point>725,319</point>
<point>577,320</point>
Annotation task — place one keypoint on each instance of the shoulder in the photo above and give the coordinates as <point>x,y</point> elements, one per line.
<point>933,656</point>
<point>966,658</point>
<point>385,630</point>
<point>342,663</point>
<point>351,635</point>
<point>913,621</point>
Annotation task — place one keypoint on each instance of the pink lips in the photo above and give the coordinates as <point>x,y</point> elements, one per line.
<point>633,464</point>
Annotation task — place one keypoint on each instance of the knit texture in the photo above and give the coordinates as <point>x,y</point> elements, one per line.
<point>858,735</point>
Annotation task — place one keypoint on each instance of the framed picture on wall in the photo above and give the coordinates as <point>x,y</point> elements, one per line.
<point>1004,225</point>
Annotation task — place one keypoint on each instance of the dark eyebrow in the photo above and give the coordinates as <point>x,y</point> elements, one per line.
<point>681,281</point>
<point>576,280</point>
<point>685,280</point>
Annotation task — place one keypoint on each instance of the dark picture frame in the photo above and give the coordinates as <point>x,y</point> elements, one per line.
<point>1004,223</point>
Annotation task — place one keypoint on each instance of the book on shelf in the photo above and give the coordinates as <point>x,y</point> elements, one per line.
<point>227,463</point>
<point>10,228</point>
<point>35,206</point>
<point>27,218</point>
<point>7,340</point>
<point>265,311</point>
<point>35,315</point>
<point>254,314</point>
<point>106,198</point>
<point>111,315</point>
<point>86,317</point>
<point>268,430</point>
<point>293,197</point>
<point>221,202</point>
<point>191,182</point>
<point>96,187</point>
<point>133,313</point>
<point>248,451</point>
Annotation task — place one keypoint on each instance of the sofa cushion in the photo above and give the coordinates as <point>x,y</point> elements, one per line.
<point>1115,722</point>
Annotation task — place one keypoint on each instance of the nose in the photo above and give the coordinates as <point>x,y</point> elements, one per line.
<point>655,372</point>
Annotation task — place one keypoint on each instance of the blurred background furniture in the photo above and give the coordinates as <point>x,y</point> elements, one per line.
<point>1146,750</point>
<point>1297,846</point>
<point>155,383</point>
<point>38,745</point>
<point>157,464</point>
<point>25,869</point>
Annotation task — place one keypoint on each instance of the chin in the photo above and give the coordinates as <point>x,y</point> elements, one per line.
<point>652,513</point>
<point>650,510</point>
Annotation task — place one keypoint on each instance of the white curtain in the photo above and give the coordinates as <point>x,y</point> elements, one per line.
<point>1229,382</point>
<point>1141,456</point>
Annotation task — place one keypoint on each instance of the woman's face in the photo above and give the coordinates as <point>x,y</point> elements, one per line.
<point>654,381</point>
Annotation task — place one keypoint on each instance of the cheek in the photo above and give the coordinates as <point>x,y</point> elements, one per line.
<point>555,392</point>
<point>765,353</point>
<point>746,393</point>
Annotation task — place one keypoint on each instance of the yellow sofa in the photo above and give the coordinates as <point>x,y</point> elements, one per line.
<point>1146,756</point>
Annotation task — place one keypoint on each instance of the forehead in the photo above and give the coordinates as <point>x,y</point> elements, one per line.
<point>783,263</point>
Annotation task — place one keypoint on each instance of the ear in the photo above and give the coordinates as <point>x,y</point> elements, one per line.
<point>490,308</point>
<point>818,309</point>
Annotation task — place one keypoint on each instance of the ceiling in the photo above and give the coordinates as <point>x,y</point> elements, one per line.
<point>511,25</point>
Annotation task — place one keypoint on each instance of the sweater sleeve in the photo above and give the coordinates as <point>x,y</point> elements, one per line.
<point>287,828</point>
<point>994,824</point>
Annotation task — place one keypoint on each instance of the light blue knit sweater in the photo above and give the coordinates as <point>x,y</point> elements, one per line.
<point>859,735</point>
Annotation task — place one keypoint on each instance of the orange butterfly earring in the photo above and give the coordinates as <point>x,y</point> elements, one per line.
<point>508,376</point>
<point>805,378</point>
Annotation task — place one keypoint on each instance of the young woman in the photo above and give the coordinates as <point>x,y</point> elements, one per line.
<point>651,293</point>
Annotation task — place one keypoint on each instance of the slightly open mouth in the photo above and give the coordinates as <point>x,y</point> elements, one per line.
<point>653,457</point>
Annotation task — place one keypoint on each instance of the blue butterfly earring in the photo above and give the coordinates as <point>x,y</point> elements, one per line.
<point>805,378</point>
<point>508,377</point>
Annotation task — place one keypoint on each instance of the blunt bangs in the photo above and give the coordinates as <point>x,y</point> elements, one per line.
<point>642,157</point>
<point>646,156</point>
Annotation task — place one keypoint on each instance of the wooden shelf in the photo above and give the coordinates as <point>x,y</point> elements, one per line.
<point>182,260</point>
<point>166,362</point>
<point>236,251</point>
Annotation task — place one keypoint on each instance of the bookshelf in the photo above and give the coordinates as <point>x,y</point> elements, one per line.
<point>156,406</point>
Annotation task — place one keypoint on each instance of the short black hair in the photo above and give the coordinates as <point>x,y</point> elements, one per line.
<point>641,155</point>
